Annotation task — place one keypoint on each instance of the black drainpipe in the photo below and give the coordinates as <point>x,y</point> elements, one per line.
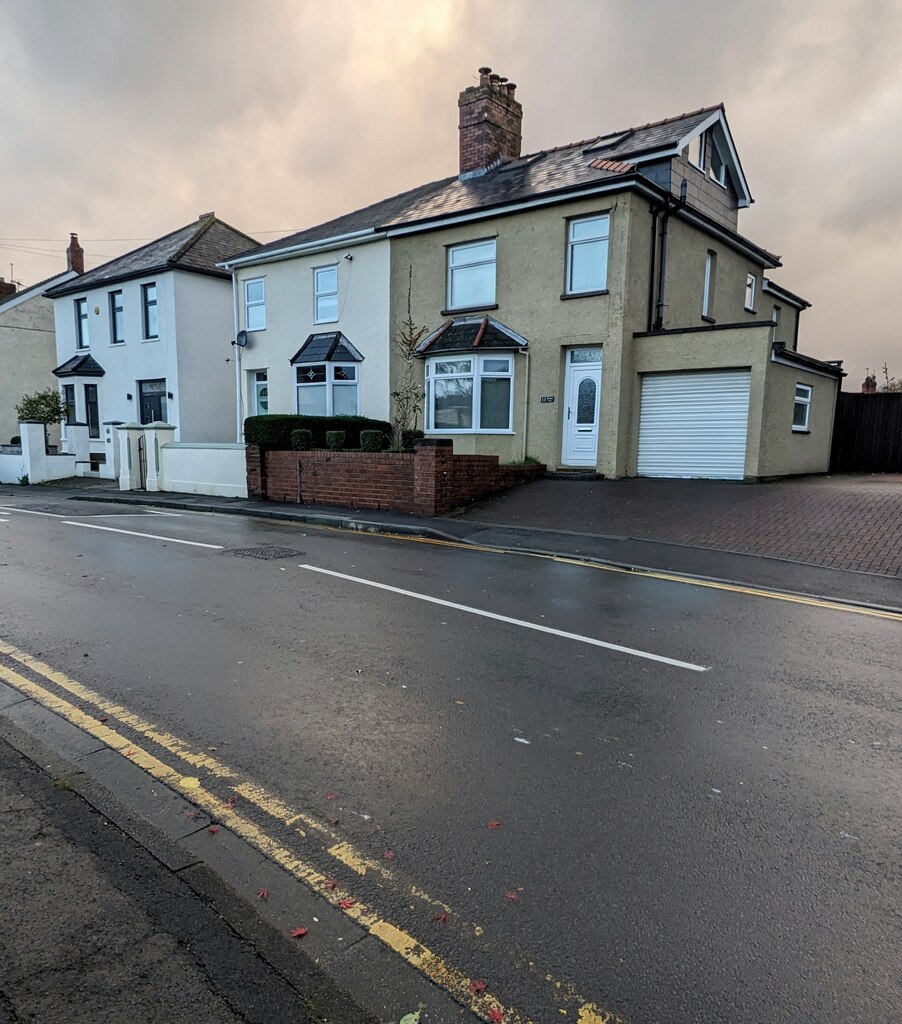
<point>655,212</point>
<point>671,206</point>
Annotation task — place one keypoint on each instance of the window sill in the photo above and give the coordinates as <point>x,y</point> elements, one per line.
<point>748,309</point>
<point>584,295</point>
<point>459,433</point>
<point>144,340</point>
<point>116,344</point>
<point>801,430</point>
<point>254,330</point>
<point>719,184</point>
<point>708,319</point>
<point>319,323</point>
<point>467,309</point>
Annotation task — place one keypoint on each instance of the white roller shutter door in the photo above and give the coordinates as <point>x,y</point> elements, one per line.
<point>694,424</point>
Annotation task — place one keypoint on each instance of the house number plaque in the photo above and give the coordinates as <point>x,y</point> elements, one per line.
<point>546,399</point>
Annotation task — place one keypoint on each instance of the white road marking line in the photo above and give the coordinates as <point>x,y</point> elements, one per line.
<point>111,515</point>
<point>157,512</point>
<point>514,622</point>
<point>31,512</point>
<point>149,536</point>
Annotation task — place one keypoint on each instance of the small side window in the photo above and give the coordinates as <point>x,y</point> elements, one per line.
<point>751,291</point>
<point>801,408</point>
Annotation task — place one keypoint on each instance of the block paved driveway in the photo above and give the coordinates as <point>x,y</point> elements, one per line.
<point>841,522</point>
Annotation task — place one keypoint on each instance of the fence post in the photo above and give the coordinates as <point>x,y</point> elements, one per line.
<point>129,470</point>
<point>34,450</point>
<point>155,436</point>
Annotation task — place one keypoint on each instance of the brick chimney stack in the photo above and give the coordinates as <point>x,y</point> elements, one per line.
<point>75,255</point>
<point>490,123</point>
<point>7,288</point>
<point>869,385</point>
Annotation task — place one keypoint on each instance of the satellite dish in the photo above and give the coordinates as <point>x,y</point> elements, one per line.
<point>241,339</point>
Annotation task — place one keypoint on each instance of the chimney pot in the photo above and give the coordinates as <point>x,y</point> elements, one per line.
<point>490,123</point>
<point>869,385</point>
<point>75,255</point>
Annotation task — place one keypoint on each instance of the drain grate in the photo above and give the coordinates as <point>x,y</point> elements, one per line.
<point>267,552</point>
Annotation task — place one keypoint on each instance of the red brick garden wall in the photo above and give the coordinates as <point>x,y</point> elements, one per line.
<point>428,482</point>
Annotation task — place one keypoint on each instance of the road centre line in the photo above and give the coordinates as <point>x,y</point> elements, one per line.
<point>135,533</point>
<point>413,951</point>
<point>514,622</point>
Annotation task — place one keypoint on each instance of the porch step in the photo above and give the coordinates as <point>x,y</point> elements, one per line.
<point>568,473</point>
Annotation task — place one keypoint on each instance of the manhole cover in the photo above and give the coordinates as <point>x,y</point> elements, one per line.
<point>264,551</point>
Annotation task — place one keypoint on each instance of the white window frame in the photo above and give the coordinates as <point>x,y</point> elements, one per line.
<point>260,377</point>
<point>603,236</point>
<point>803,401</point>
<point>721,177</point>
<point>477,374</point>
<point>323,293</point>
<point>697,151</point>
<point>751,291</point>
<point>254,304</point>
<point>450,268</point>
<point>708,289</point>
<point>329,384</point>
<point>82,330</point>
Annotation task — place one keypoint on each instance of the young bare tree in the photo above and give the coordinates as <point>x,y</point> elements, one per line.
<point>408,396</point>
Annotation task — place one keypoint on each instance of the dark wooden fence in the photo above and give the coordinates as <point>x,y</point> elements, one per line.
<point>867,434</point>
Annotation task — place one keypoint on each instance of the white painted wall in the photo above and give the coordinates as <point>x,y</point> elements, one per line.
<point>12,468</point>
<point>204,469</point>
<point>194,313</point>
<point>363,301</point>
<point>33,461</point>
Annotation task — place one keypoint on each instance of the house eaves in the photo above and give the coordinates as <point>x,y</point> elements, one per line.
<point>790,298</point>
<point>781,354</point>
<point>36,290</point>
<point>735,241</point>
<point>305,249</point>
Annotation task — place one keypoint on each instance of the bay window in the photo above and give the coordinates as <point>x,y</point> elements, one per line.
<point>470,393</point>
<point>326,389</point>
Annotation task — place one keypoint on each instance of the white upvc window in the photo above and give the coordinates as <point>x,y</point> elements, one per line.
<point>82,334</point>
<point>708,290</point>
<point>697,151</point>
<point>261,392</point>
<point>471,275</point>
<point>718,165</point>
<point>255,305</point>
<point>325,294</point>
<point>327,389</point>
<point>470,394</point>
<point>801,407</point>
<point>587,254</point>
<point>751,291</point>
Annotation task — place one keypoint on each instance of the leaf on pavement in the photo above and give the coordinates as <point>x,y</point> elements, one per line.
<point>332,822</point>
<point>263,894</point>
<point>511,895</point>
<point>330,796</point>
<point>331,884</point>
<point>102,719</point>
<point>232,800</point>
<point>130,753</point>
<point>298,933</point>
<point>494,824</point>
<point>411,1018</point>
<point>388,855</point>
<point>213,829</point>
<point>346,903</point>
<point>441,918</point>
<point>496,1015</point>
<point>476,987</point>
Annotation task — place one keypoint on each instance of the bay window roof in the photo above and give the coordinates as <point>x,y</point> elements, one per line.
<point>465,333</point>
<point>328,347</point>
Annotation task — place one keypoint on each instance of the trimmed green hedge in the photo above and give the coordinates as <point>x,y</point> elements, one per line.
<point>373,441</point>
<point>335,440</point>
<point>301,440</point>
<point>274,431</point>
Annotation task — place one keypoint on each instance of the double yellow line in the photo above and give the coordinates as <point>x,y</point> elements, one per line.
<point>570,1004</point>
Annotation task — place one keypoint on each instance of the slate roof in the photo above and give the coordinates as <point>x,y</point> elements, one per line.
<point>197,247</point>
<point>80,366</point>
<point>332,346</point>
<point>465,333</point>
<point>576,165</point>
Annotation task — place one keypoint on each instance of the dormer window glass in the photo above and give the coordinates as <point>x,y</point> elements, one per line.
<point>697,151</point>
<point>718,166</point>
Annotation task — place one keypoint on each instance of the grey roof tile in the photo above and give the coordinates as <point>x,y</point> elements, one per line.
<point>196,247</point>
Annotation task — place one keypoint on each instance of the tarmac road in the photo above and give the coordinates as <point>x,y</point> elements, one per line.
<point>697,789</point>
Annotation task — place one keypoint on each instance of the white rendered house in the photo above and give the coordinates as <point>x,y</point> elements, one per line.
<point>148,337</point>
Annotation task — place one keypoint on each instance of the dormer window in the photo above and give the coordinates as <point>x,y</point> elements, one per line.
<point>718,165</point>
<point>697,151</point>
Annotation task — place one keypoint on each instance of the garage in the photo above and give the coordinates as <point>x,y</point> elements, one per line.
<point>694,424</point>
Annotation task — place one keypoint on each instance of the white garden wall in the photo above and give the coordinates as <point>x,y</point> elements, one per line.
<point>204,469</point>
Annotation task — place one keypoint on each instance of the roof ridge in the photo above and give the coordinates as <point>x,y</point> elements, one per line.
<point>675,117</point>
<point>203,226</point>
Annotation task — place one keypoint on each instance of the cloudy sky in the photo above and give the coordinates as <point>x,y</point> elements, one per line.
<point>123,120</point>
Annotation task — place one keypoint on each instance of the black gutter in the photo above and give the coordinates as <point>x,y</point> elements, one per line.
<point>80,285</point>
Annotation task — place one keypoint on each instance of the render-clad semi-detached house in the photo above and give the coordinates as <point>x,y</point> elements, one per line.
<point>27,348</point>
<point>592,306</point>
<point>148,337</point>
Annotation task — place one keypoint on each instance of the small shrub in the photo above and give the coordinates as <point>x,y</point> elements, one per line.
<point>15,439</point>
<point>301,440</point>
<point>409,439</point>
<point>274,430</point>
<point>23,480</point>
<point>335,440</point>
<point>372,440</point>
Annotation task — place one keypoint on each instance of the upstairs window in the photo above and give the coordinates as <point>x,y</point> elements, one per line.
<point>751,291</point>
<point>801,407</point>
<point>255,305</point>
<point>470,394</point>
<point>587,254</point>
<point>325,295</point>
<point>697,151</point>
<point>708,290</point>
<point>117,319</point>
<point>327,389</point>
<point>718,166</point>
<point>82,336</point>
<point>151,325</point>
<point>471,275</point>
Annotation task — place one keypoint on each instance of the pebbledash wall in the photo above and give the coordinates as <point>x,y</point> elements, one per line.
<point>428,482</point>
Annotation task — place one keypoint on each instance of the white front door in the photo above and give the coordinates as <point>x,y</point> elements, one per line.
<point>582,407</point>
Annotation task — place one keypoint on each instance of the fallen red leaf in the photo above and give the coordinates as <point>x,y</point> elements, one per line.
<point>332,822</point>
<point>496,1015</point>
<point>103,719</point>
<point>346,904</point>
<point>388,855</point>
<point>213,829</point>
<point>263,894</point>
<point>232,800</point>
<point>330,796</point>
<point>494,824</point>
<point>441,918</point>
<point>331,884</point>
<point>476,987</point>
<point>511,895</point>
<point>130,753</point>
<point>298,933</point>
